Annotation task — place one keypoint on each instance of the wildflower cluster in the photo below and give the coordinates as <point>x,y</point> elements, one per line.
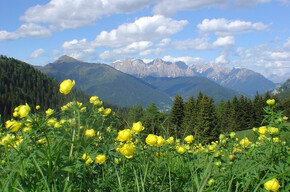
<point>80,147</point>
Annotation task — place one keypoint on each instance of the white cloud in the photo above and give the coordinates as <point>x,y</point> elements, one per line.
<point>25,30</point>
<point>78,48</point>
<point>224,41</point>
<point>143,29</point>
<point>156,51</point>
<point>36,53</point>
<point>62,14</point>
<point>186,59</point>
<point>224,27</point>
<point>192,44</point>
<point>164,42</point>
<point>222,58</point>
<point>132,48</point>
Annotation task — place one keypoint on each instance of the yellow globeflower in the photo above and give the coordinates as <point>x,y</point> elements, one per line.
<point>189,139</point>
<point>93,99</point>
<point>170,140</point>
<point>273,130</point>
<point>159,141</point>
<point>107,111</point>
<point>90,133</point>
<point>66,86</point>
<point>137,127</point>
<point>100,159</point>
<point>151,139</point>
<point>23,110</point>
<point>13,125</point>
<point>124,135</point>
<point>263,130</point>
<point>37,107</point>
<point>210,182</point>
<point>272,185</point>
<point>180,149</point>
<point>49,112</point>
<point>245,142</point>
<point>270,101</point>
<point>127,150</point>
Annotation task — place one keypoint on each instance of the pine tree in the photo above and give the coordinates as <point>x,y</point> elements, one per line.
<point>176,116</point>
<point>135,114</point>
<point>189,116</point>
<point>151,119</point>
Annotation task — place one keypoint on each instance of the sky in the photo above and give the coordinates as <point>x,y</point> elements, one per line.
<point>252,34</point>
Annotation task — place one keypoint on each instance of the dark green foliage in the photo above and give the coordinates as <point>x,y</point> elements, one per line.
<point>176,115</point>
<point>152,119</point>
<point>21,83</point>
<point>189,119</point>
<point>206,128</point>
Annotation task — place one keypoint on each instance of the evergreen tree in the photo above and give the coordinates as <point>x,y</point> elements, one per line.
<point>189,116</point>
<point>152,119</point>
<point>135,114</point>
<point>176,116</point>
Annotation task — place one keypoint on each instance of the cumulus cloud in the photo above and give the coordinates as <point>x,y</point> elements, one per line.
<point>192,44</point>
<point>132,48</point>
<point>186,59</point>
<point>143,29</point>
<point>78,48</point>
<point>26,30</point>
<point>224,41</point>
<point>224,27</point>
<point>36,53</point>
<point>62,14</point>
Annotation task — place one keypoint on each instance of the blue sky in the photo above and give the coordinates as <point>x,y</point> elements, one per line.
<point>253,34</point>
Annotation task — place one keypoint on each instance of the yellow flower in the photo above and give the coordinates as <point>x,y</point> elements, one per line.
<point>49,112</point>
<point>263,130</point>
<point>210,182</point>
<point>89,161</point>
<point>37,107</point>
<point>180,149</point>
<point>51,122</point>
<point>26,129</point>
<point>57,125</point>
<point>90,133</point>
<point>95,101</point>
<point>255,129</point>
<point>66,86</point>
<point>23,110</point>
<point>107,111</point>
<point>276,139</point>
<point>13,125</point>
<point>137,127</point>
<point>41,141</point>
<point>211,147</point>
<point>124,135</point>
<point>245,142</point>
<point>100,159</point>
<point>159,141</point>
<point>151,139</point>
<point>273,130</point>
<point>189,139</point>
<point>218,163</point>
<point>270,101</point>
<point>127,150</point>
<point>272,185</point>
<point>222,136</point>
<point>170,140</point>
<point>101,109</point>
<point>7,139</point>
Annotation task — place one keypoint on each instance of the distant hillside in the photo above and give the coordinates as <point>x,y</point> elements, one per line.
<point>106,82</point>
<point>283,91</point>
<point>241,80</point>
<point>21,83</point>
<point>186,86</point>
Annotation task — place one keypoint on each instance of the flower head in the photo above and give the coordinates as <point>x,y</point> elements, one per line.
<point>124,135</point>
<point>13,125</point>
<point>273,130</point>
<point>160,141</point>
<point>272,185</point>
<point>137,127</point>
<point>100,159</point>
<point>127,150</point>
<point>90,133</point>
<point>49,112</point>
<point>170,140</point>
<point>23,110</point>
<point>151,139</point>
<point>180,149</point>
<point>262,130</point>
<point>189,139</point>
<point>107,111</point>
<point>270,101</point>
<point>66,86</point>
<point>245,142</point>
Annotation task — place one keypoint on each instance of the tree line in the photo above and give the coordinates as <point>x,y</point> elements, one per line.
<point>203,118</point>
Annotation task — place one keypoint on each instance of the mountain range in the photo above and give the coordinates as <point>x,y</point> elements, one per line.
<point>239,79</point>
